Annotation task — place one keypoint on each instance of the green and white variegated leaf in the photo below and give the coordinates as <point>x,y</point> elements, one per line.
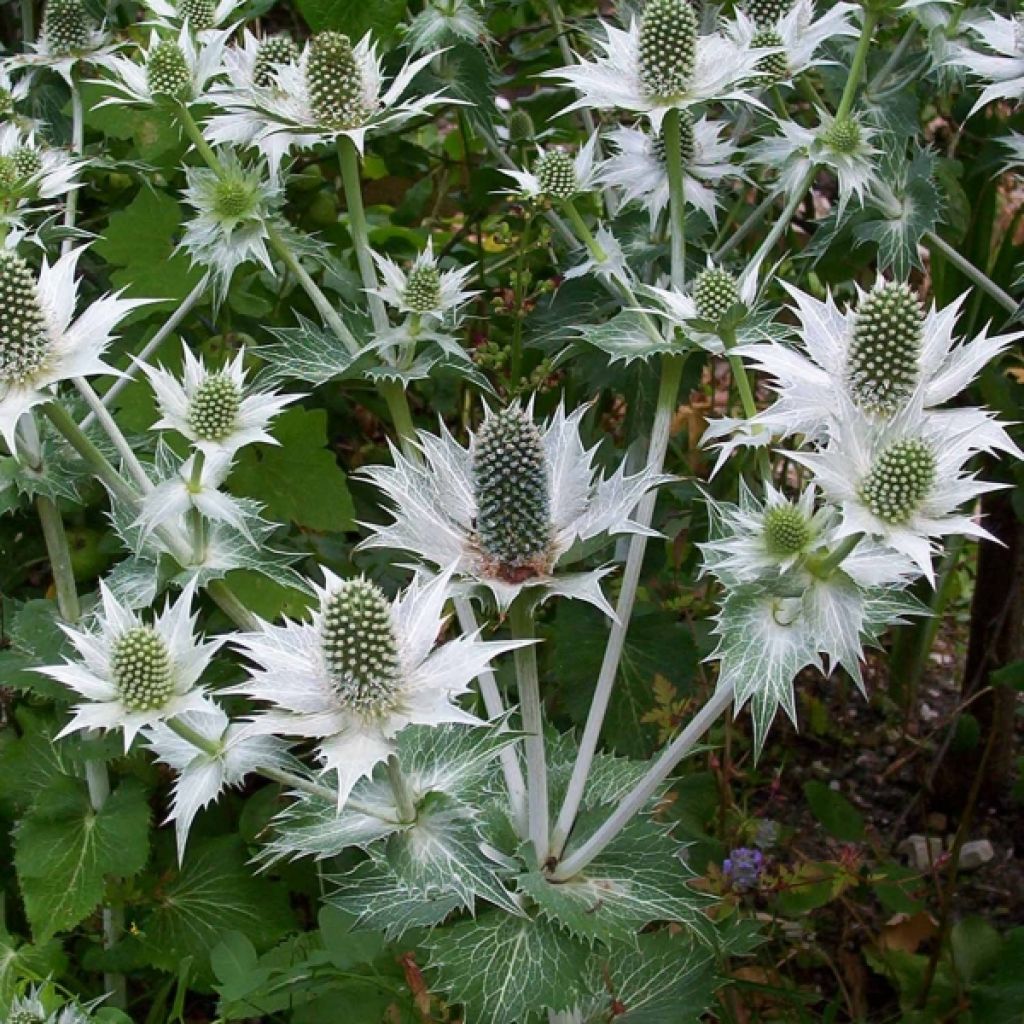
<point>637,880</point>
<point>884,608</point>
<point>136,581</point>
<point>309,353</point>
<point>625,338</point>
<point>444,852</point>
<point>381,901</point>
<point>835,616</point>
<point>55,476</point>
<point>509,970</point>
<point>764,641</point>
<point>452,759</point>
<point>663,978</point>
<point>611,777</point>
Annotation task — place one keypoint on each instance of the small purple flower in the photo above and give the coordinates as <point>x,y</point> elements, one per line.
<point>743,867</point>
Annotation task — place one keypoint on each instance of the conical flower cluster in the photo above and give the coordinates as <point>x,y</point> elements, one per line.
<point>334,81</point>
<point>668,46</point>
<point>67,26</point>
<point>900,479</point>
<point>24,342</point>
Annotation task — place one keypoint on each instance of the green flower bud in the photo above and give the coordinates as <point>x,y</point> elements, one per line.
<point>556,174</point>
<point>213,410</point>
<point>843,136</point>
<point>715,292</point>
<point>334,82</point>
<point>520,126</point>
<point>275,50</point>
<point>27,161</point>
<point>423,289</point>
<point>765,13</point>
<point>668,47</point>
<point>24,341</point>
<point>775,67</point>
<point>198,13</point>
<point>66,26</point>
<point>140,663</point>
<point>899,480</point>
<point>786,530</point>
<point>167,71</point>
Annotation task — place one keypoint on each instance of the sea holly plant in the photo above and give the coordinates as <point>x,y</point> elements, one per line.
<point>378,468</point>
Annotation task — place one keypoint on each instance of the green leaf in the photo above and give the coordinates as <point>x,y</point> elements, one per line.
<point>21,960</point>
<point>215,892</point>
<point>838,816</point>
<point>300,481</point>
<point>637,880</point>
<point>506,970</point>
<point>64,854</point>
<point>353,18</point>
<point>624,338</point>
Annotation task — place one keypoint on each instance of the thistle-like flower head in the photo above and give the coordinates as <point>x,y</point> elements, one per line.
<point>505,512</point>
<point>424,290</point>
<point>360,671</point>
<point>556,175</point>
<point>134,673</point>
<point>69,36</point>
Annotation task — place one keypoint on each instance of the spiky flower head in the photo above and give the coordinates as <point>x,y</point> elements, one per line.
<point>843,136</point>
<point>899,480</point>
<point>273,50</point>
<point>24,342</point>
<point>213,409</point>
<point>66,26</point>
<point>167,71</point>
<point>520,126</point>
<point>766,12</point>
<point>787,530</point>
<point>715,292</point>
<point>883,361</point>
<point>423,288</point>
<point>775,67</point>
<point>360,648</point>
<point>512,490</point>
<point>140,663</point>
<point>9,176</point>
<point>200,14</point>
<point>24,1017</point>
<point>687,140</point>
<point>556,174</point>
<point>668,46</point>
<point>334,81</point>
<point>28,161</point>
<point>235,197</point>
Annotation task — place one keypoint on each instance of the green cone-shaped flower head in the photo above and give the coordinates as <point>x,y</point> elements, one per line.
<point>24,342</point>
<point>334,82</point>
<point>715,292</point>
<point>882,363</point>
<point>167,71</point>
<point>360,648</point>
<point>27,161</point>
<point>140,662</point>
<point>556,174</point>
<point>520,126</point>
<point>899,480</point>
<point>274,50</point>
<point>668,47</point>
<point>766,13</point>
<point>200,14</point>
<point>213,409</point>
<point>786,530</point>
<point>843,136</point>
<point>775,67</point>
<point>21,1016</point>
<point>9,176</point>
<point>66,26</point>
<point>512,490</point>
<point>687,141</point>
<point>423,289</point>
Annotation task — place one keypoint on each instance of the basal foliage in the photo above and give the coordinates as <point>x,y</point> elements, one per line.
<point>319,468</point>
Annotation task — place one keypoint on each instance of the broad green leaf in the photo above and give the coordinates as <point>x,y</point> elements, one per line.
<point>64,854</point>
<point>838,816</point>
<point>508,970</point>
<point>22,960</point>
<point>625,338</point>
<point>300,481</point>
<point>353,18</point>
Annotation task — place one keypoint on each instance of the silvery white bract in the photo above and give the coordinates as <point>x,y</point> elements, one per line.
<point>569,175</point>
<point>216,410</point>
<point>720,69</point>
<point>42,342</point>
<point>234,208</point>
<point>424,290</point>
<point>442,22</point>
<point>178,70</point>
<point>900,481</point>
<point>202,775</point>
<point>546,486</point>
<point>360,671</point>
<point>300,108</point>
<point>607,262</point>
<point>133,674</point>
<point>13,91</point>
<point>842,146</point>
<point>197,15</point>
<point>638,169</point>
<point>1014,144</point>
<point>1001,60</point>
<point>36,171</point>
<point>808,379</point>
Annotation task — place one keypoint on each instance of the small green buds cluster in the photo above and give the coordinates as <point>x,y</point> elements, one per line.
<point>140,663</point>
<point>423,289</point>
<point>556,174</point>
<point>360,649</point>
<point>882,360</point>
<point>766,13</point>
<point>9,176</point>
<point>27,161</point>
<point>66,27</point>
<point>687,140</point>
<point>213,409</point>
<point>843,136</point>
<point>24,1017</point>
<point>167,71</point>
<point>668,47</point>
<point>272,51</point>
<point>715,292</point>
<point>234,198</point>
<point>786,530</point>
<point>512,490</point>
<point>520,126</point>
<point>775,67</point>
<point>200,14</point>
<point>24,342</point>
<point>334,82</point>
<point>18,168</point>
<point>899,480</point>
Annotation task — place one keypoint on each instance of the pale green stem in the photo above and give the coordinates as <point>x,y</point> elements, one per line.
<point>60,558</point>
<point>401,791</point>
<point>638,798</point>
<point>894,58</point>
<point>739,374</point>
<point>495,707</point>
<point>193,131</point>
<point>780,226</point>
<point>677,198</point>
<point>860,59</point>
<point>521,620</point>
<point>28,30</point>
<point>824,566</point>
<point>196,525</point>
<point>752,220</point>
<point>671,374</point>
<point>113,431</point>
<point>969,270</point>
<point>77,145</point>
<point>583,232</point>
